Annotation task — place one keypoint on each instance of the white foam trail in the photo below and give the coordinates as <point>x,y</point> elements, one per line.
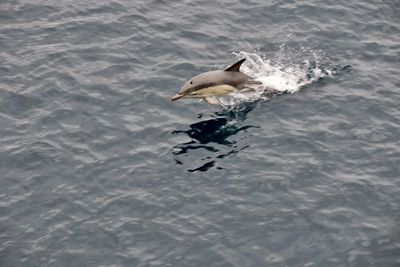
<point>282,76</point>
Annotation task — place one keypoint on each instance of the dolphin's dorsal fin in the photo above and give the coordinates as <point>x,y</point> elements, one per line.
<point>236,66</point>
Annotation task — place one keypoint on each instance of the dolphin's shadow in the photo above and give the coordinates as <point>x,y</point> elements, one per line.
<point>212,135</point>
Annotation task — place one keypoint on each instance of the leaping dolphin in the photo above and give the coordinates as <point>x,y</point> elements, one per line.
<point>210,84</point>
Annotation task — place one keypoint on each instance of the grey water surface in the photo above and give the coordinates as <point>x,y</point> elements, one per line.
<point>99,168</point>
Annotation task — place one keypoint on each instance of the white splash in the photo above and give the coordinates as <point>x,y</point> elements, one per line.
<point>284,74</point>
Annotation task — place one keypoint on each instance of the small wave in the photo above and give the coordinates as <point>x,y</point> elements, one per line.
<point>282,74</point>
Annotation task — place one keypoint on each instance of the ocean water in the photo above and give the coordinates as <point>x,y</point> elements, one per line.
<point>100,168</point>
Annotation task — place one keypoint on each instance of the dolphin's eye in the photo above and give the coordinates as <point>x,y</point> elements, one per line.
<point>191,82</point>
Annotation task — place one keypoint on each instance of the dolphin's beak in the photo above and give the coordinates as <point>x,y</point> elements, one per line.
<point>176,97</point>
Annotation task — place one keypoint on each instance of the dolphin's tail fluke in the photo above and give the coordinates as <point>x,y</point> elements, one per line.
<point>253,82</point>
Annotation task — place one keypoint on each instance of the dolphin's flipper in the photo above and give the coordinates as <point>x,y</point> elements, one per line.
<point>212,100</point>
<point>235,67</point>
<point>215,101</point>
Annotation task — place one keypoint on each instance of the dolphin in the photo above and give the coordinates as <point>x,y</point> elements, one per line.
<point>210,84</point>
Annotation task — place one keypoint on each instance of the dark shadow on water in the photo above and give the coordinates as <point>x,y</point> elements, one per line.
<point>212,137</point>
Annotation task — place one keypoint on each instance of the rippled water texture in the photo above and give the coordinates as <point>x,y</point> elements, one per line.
<point>99,168</point>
